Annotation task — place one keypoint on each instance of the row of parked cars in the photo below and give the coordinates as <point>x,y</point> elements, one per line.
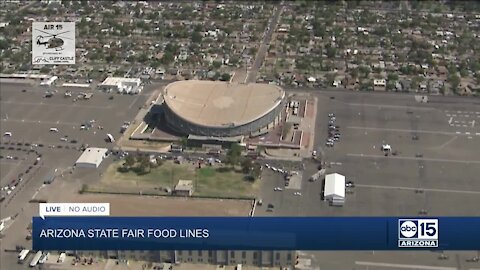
<point>333,131</point>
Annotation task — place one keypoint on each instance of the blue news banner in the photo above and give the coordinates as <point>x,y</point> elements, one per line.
<point>256,233</point>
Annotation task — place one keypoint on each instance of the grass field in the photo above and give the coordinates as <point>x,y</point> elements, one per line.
<point>215,181</point>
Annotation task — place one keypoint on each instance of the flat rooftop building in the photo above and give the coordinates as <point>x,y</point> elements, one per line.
<point>122,85</point>
<point>184,188</point>
<point>91,157</point>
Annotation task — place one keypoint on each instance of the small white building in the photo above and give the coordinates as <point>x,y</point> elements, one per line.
<point>121,85</point>
<point>49,81</point>
<point>184,188</point>
<point>334,190</point>
<point>91,157</point>
<point>379,82</point>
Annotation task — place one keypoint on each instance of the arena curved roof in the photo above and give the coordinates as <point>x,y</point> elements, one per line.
<point>221,104</point>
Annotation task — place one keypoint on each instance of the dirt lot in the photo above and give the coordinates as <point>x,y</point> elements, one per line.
<point>129,205</point>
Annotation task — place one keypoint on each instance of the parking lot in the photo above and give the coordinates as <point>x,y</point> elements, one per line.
<point>51,127</point>
<point>432,170</point>
<point>29,116</point>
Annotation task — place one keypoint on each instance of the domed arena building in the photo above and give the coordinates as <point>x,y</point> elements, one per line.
<point>222,109</point>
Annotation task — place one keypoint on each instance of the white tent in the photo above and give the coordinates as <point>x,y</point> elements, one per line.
<point>91,157</point>
<point>334,189</point>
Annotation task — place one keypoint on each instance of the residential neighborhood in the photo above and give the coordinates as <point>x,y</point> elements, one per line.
<point>421,47</point>
<point>230,135</point>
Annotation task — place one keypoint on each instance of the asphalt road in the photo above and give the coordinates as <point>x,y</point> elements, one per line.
<point>262,50</point>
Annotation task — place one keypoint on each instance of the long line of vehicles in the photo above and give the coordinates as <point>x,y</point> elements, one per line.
<point>333,131</point>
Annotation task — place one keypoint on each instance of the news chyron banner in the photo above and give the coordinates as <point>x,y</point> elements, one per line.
<point>255,233</point>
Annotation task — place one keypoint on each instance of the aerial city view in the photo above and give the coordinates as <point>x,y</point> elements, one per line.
<point>239,109</point>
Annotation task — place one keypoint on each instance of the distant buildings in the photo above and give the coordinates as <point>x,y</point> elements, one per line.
<point>260,258</point>
<point>121,85</point>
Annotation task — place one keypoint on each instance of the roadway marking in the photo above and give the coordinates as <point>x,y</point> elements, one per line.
<point>424,189</point>
<point>448,142</point>
<point>41,122</point>
<point>336,163</point>
<point>391,106</point>
<point>415,158</point>
<point>405,130</point>
<point>57,105</point>
<point>133,102</point>
<point>405,266</point>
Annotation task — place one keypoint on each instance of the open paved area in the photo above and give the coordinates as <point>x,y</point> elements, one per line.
<point>28,115</point>
<point>435,168</point>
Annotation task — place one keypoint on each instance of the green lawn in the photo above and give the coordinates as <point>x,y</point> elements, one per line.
<point>208,181</point>
<point>215,182</point>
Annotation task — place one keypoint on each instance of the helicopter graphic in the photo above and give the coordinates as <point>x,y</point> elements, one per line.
<point>52,41</point>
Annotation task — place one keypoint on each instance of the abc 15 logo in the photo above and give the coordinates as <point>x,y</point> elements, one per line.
<point>422,229</point>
